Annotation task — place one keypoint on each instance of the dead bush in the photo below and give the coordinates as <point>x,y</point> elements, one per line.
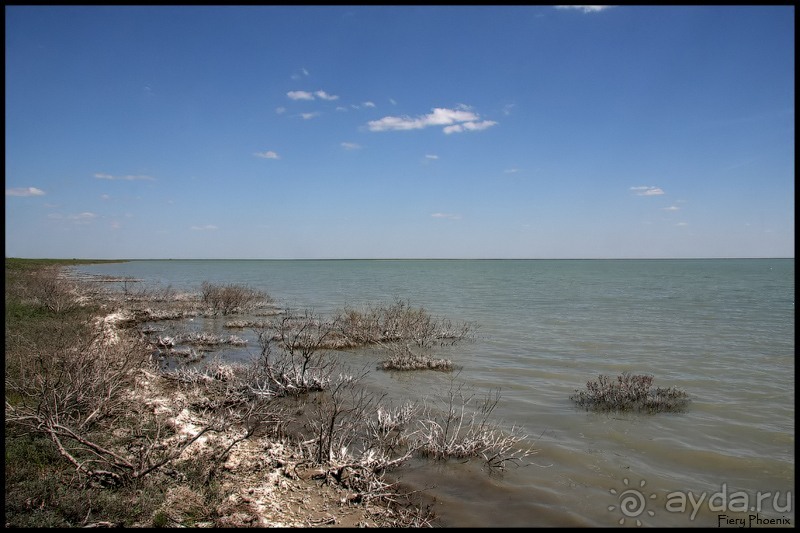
<point>629,392</point>
<point>68,387</point>
<point>458,425</point>
<point>293,358</point>
<point>51,290</point>
<point>404,358</point>
<point>399,321</point>
<point>228,298</point>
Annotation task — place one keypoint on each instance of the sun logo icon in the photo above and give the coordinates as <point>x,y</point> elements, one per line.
<point>632,502</point>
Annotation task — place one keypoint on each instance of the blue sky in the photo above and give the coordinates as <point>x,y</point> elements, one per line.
<point>399,132</point>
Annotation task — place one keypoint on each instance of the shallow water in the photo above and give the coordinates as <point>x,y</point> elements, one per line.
<point>723,330</point>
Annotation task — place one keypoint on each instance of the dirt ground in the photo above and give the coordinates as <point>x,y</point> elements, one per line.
<point>266,482</point>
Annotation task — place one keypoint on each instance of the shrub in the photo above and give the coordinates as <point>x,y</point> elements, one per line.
<point>293,357</point>
<point>400,322</point>
<point>406,333</point>
<point>461,428</point>
<point>228,298</point>
<point>630,392</point>
<point>50,290</point>
<point>403,358</point>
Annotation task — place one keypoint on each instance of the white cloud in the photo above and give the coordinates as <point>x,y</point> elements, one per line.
<point>368,104</point>
<point>280,110</point>
<point>102,176</point>
<point>207,227</point>
<point>350,146</point>
<point>303,73</point>
<point>507,109</point>
<point>511,170</point>
<point>431,156</point>
<point>682,224</point>
<point>322,95</point>
<point>269,154</point>
<point>25,191</point>
<point>449,216</point>
<point>300,95</point>
<point>454,120</point>
<point>305,95</point>
<point>341,108</point>
<point>469,126</point>
<point>307,116</point>
<point>82,217</point>
<point>671,208</point>
<point>105,197</point>
<point>647,191</point>
<point>392,101</point>
<point>586,9</point>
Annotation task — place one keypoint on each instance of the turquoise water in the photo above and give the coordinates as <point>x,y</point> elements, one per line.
<point>723,330</point>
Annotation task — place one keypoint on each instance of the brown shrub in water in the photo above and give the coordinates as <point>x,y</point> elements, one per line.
<point>629,392</point>
<point>228,298</point>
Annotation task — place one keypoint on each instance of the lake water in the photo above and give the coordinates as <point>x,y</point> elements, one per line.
<point>722,330</point>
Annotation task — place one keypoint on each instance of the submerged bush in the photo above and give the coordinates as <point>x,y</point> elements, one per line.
<point>630,392</point>
<point>400,322</point>
<point>226,299</point>
<point>403,358</point>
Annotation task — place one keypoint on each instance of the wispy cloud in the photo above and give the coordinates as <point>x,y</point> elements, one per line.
<point>350,146</point>
<point>300,95</point>
<point>301,74</point>
<point>305,95</point>
<point>207,227</point>
<point>78,218</point>
<point>507,109</point>
<point>647,191</point>
<point>469,126</point>
<point>308,116</point>
<point>586,9</point>
<point>671,208</point>
<point>269,154</point>
<point>681,224</point>
<point>86,215</point>
<point>129,177</point>
<point>449,216</point>
<point>453,120</point>
<point>511,171</point>
<point>280,110</point>
<point>322,95</point>
<point>25,191</point>
<point>368,104</point>
<point>431,156</point>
